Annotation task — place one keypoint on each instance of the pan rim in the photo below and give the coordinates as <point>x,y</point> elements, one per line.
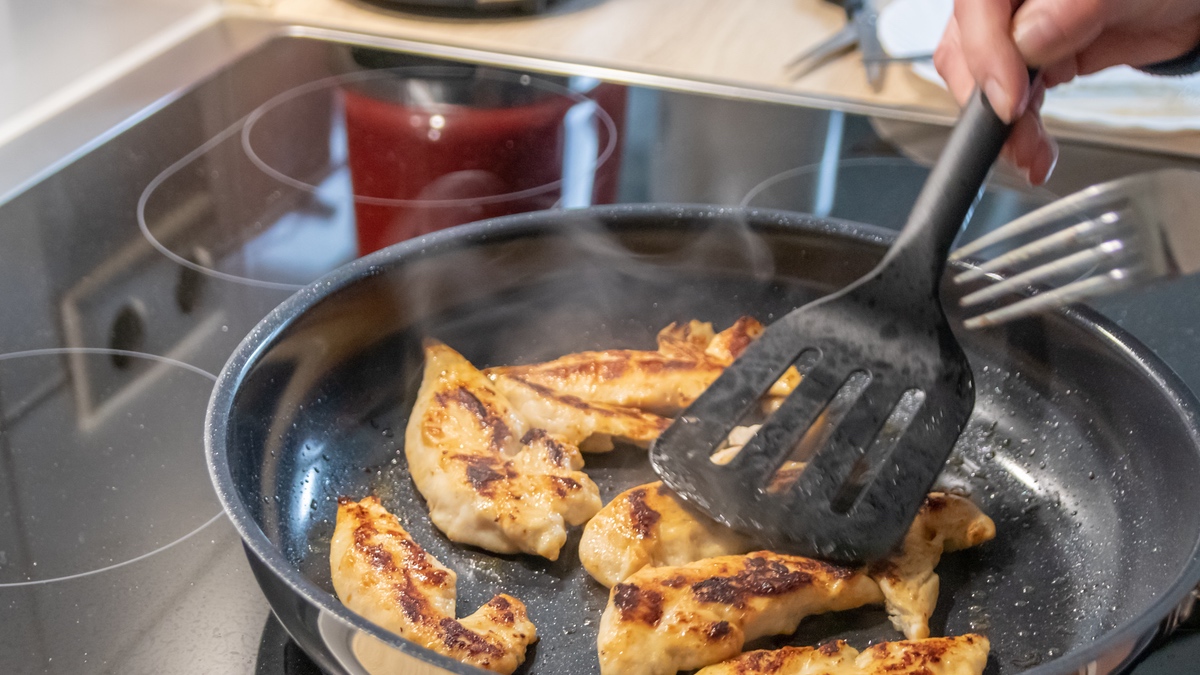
<point>1134,631</point>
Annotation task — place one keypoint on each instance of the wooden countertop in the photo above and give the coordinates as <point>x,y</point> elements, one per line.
<point>740,42</point>
<point>743,43</point>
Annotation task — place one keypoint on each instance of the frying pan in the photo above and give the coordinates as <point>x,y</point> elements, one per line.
<point>1083,446</point>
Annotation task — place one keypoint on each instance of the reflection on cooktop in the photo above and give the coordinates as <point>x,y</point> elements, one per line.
<point>279,655</point>
<point>136,268</point>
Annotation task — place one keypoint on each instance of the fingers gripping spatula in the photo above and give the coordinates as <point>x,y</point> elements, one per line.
<point>885,393</point>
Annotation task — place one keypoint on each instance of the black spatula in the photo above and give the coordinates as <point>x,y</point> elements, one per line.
<point>885,394</point>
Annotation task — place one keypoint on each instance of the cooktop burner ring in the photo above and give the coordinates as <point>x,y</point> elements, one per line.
<point>109,568</point>
<point>105,351</point>
<point>197,264</point>
<point>814,188</point>
<point>583,120</point>
<point>427,73</point>
<point>25,452</point>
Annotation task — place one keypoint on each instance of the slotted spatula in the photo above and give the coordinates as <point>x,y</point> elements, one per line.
<point>885,393</point>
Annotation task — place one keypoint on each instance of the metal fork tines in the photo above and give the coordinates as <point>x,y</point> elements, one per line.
<point>1101,240</point>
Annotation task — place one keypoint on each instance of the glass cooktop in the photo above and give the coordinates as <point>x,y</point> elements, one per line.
<point>128,276</point>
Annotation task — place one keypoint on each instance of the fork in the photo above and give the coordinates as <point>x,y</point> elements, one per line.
<point>1098,241</point>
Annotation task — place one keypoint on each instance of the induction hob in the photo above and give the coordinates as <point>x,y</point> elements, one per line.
<point>130,271</point>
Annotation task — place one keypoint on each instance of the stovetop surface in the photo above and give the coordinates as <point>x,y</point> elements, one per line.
<point>128,276</point>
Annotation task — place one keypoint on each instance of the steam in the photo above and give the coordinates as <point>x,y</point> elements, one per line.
<point>583,282</point>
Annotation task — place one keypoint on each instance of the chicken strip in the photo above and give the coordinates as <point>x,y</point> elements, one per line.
<point>965,655</point>
<point>666,619</point>
<point>591,426</point>
<point>491,479</point>
<point>380,573</point>
<point>649,525</point>
<point>946,522</point>
<point>689,357</point>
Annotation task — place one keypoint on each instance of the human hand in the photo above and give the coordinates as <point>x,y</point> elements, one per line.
<point>989,42</point>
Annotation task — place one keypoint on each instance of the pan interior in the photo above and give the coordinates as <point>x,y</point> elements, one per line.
<point>1082,460</point>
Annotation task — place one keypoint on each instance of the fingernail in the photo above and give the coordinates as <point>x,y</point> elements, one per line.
<point>1053,159</point>
<point>1034,34</point>
<point>1044,164</point>
<point>1001,102</point>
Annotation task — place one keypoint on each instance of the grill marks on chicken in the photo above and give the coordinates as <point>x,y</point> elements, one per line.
<point>592,426</point>
<point>663,382</point>
<point>649,525</point>
<point>490,478</point>
<point>963,655</point>
<point>496,455</point>
<point>489,483</point>
<point>945,522</point>
<point>380,573</point>
<point>663,620</point>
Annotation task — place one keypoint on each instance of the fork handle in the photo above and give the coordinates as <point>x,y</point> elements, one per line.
<point>948,195</point>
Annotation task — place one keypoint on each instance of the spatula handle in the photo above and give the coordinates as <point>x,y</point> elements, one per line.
<point>949,193</point>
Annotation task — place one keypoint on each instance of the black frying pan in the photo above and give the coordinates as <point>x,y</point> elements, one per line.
<point>1083,447</point>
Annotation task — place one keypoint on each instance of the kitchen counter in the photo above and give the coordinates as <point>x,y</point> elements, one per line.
<point>741,43</point>
<point>57,52</point>
<point>728,41</point>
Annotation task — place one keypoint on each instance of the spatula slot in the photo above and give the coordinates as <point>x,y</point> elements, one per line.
<point>779,434</point>
<point>813,410</point>
<point>753,417</point>
<point>866,469</point>
<point>831,416</point>
<point>819,432</point>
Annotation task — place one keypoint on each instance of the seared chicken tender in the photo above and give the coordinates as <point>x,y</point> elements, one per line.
<point>591,426</point>
<point>666,619</point>
<point>945,522</point>
<point>964,655</point>
<point>649,525</point>
<point>491,479</point>
<point>380,573</point>
<point>689,358</point>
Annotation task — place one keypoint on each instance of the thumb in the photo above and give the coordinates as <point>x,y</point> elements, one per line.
<point>1047,31</point>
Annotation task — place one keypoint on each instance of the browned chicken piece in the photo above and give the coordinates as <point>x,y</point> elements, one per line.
<point>946,522</point>
<point>689,357</point>
<point>665,619</point>
<point>591,426</point>
<point>649,525</point>
<point>490,478</point>
<point>380,573</point>
<point>964,655</point>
